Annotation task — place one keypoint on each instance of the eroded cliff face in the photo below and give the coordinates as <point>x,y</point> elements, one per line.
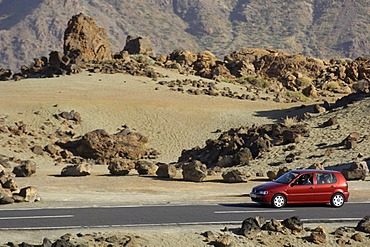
<point>320,28</point>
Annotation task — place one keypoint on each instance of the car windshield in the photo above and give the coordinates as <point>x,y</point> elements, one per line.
<point>287,177</point>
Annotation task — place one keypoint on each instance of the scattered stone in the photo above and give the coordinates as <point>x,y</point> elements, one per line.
<point>351,140</point>
<point>318,109</point>
<point>29,194</point>
<point>76,170</point>
<point>318,235</point>
<point>252,224</point>
<point>194,171</point>
<point>364,225</point>
<point>224,240</point>
<point>166,170</point>
<point>25,169</point>
<point>120,167</point>
<point>38,150</point>
<point>294,223</point>
<point>236,175</point>
<point>144,167</point>
<point>357,237</point>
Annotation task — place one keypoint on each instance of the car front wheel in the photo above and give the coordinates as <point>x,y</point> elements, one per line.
<point>337,200</point>
<point>278,201</point>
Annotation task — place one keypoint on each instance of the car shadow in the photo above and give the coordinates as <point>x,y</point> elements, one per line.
<point>256,205</point>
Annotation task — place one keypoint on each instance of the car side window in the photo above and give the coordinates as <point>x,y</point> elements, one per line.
<point>325,178</point>
<point>305,179</point>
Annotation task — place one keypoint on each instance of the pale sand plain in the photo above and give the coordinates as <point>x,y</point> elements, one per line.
<point>172,121</point>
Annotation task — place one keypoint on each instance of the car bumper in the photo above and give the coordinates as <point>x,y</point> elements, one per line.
<point>265,199</point>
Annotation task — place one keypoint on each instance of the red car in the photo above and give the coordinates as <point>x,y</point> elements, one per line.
<point>303,187</point>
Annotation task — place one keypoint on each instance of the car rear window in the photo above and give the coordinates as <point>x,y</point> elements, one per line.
<point>325,178</point>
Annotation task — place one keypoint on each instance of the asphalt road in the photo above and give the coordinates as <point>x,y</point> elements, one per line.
<point>59,218</point>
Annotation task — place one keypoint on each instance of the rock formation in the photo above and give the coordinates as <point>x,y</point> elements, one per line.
<point>83,39</point>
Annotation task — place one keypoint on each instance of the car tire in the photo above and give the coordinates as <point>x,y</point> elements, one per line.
<point>278,201</point>
<point>337,200</point>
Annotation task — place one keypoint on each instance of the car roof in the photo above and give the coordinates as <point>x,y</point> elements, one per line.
<point>314,170</point>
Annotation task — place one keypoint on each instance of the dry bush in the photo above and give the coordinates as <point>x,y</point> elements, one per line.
<point>290,121</point>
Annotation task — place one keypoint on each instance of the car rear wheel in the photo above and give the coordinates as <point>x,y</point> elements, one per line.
<point>337,200</point>
<point>278,201</point>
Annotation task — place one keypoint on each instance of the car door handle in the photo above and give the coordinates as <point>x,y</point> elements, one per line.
<point>332,186</point>
<point>311,188</point>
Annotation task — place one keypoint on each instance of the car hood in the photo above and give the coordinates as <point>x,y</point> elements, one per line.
<point>268,186</point>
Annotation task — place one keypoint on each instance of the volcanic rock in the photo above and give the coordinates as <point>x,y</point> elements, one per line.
<point>293,223</point>
<point>194,171</point>
<point>144,167</point>
<point>101,146</point>
<point>139,45</point>
<point>364,225</point>
<point>120,167</point>
<point>166,170</point>
<point>357,171</point>
<point>236,175</point>
<point>25,169</point>
<point>76,170</point>
<point>318,235</point>
<point>29,194</point>
<point>7,181</point>
<point>252,224</point>
<point>85,38</point>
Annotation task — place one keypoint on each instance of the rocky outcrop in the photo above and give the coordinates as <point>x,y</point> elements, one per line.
<point>102,147</point>
<point>84,40</point>
<point>240,145</point>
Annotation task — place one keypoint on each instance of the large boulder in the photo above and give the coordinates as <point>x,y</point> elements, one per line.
<point>76,170</point>
<point>25,169</point>
<point>101,146</point>
<point>293,223</point>
<point>166,170</point>
<point>139,45</point>
<point>29,194</point>
<point>144,167</point>
<point>318,235</point>
<point>5,198</point>
<point>273,225</point>
<point>194,171</point>
<point>7,181</point>
<point>364,225</point>
<point>85,38</point>
<point>120,167</point>
<point>356,171</point>
<point>236,175</point>
<point>252,224</point>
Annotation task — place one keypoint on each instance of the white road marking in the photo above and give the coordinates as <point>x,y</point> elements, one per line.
<point>254,211</point>
<point>36,217</point>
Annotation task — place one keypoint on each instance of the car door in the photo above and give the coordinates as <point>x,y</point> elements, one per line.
<point>299,192</point>
<point>325,184</point>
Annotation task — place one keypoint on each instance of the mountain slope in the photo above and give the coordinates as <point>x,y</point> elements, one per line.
<point>323,28</point>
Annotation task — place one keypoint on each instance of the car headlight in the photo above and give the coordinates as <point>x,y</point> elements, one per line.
<point>262,192</point>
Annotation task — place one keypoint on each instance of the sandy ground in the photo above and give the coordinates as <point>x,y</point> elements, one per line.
<point>172,121</point>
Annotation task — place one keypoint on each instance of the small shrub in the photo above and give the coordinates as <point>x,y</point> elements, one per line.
<point>290,121</point>
<point>333,85</point>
